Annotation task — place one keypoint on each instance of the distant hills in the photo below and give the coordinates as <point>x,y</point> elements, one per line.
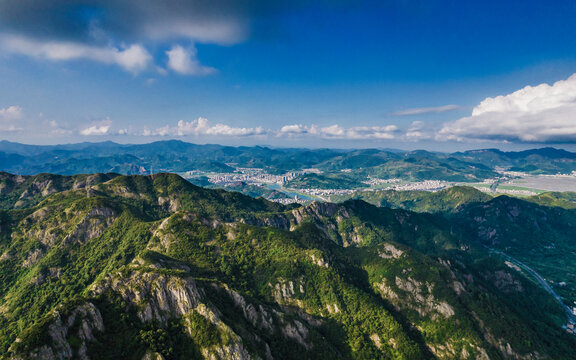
<point>178,156</point>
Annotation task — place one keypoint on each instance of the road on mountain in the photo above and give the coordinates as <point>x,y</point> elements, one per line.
<point>540,280</point>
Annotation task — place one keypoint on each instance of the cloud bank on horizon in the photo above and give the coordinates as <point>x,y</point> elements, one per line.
<point>534,114</point>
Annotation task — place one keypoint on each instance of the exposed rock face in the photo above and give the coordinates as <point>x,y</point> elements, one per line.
<point>93,225</point>
<point>390,251</point>
<point>258,316</point>
<point>448,351</point>
<point>160,298</point>
<point>419,301</point>
<point>318,210</point>
<point>286,291</point>
<point>32,257</point>
<point>319,261</point>
<point>82,322</point>
<point>152,356</point>
<point>505,282</point>
<point>90,226</point>
<point>413,294</point>
<point>169,204</point>
<point>164,297</point>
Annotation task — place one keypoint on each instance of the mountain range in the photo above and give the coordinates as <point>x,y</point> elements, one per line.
<point>107,266</point>
<point>178,156</point>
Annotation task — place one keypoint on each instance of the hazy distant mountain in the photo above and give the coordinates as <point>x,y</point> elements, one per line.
<point>178,156</point>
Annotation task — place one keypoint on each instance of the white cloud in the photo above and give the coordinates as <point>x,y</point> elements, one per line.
<point>184,61</point>
<point>11,113</point>
<point>372,132</point>
<point>425,110</point>
<point>543,113</point>
<point>418,130</point>
<point>222,129</point>
<point>98,128</point>
<point>53,127</point>
<point>9,118</point>
<point>202,126</point>
<point>332,131</point>
<point>339,132</point>
<point>134,58</point>
<point>295,129</point>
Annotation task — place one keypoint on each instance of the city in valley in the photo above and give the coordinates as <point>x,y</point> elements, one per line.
<point>509,182</point>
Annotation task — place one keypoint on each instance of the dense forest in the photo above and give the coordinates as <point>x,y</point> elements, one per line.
<point>105,266</point>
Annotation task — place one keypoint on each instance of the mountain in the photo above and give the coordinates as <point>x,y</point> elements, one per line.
<point>547,160</point>
<point>540,236</point>
<point>153,267</point>
<point>179,156</point>
<point>448,200</point>
<point>536,230</point>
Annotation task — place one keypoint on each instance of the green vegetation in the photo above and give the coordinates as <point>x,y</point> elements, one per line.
<point>447,200</point>
<point>156,265</point>
<point>180,157</point>
<point>249,190</point>
<point>536,230</point>
<point>326,181</point>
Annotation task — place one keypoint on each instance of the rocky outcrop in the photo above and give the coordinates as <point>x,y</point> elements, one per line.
<point>92,225</point>
<point>413,294</point>
<point>32,257</point>
<point>420,298</point>
<point>81,323</point>
<point>389,251</point>
<point>160,297</point>
<point>285,291</point>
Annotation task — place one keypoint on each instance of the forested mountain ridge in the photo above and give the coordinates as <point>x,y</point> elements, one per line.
<point>179,156</point>
<point>155,267</point>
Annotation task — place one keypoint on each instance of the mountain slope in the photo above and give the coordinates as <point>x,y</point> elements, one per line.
<point>445,201</point>
<point>147,266</point>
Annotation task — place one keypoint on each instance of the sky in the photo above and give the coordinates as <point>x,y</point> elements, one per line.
<point>434,74</point>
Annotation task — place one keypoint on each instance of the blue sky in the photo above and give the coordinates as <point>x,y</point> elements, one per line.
<point>442,75</point>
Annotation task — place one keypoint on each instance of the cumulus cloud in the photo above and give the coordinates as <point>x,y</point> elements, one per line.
<point>9,117</point>
<point>202,126</point>
<point>134,58</point>
<point>184,61</point>
<point>372,132</point>
<point>425,110</point>
<point>97,129</point>
<point>11,113</point>
<point>543,113</point>
<point>339,132</point>
<point>295,129</point>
